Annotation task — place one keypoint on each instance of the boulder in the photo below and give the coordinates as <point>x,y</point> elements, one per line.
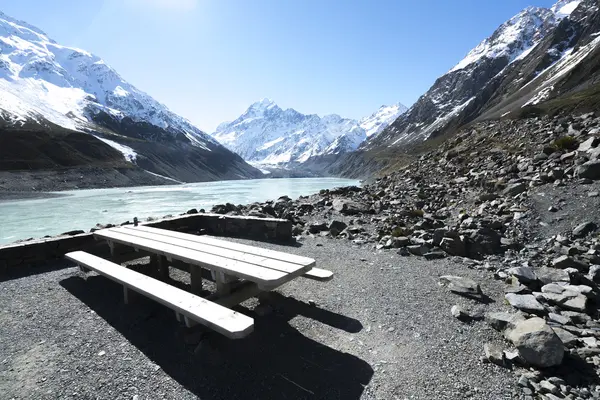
<point>589,170</point>
<point>514,189</point>
<point>525,302</point>
<point>349,207</point>
<point>336,227</point>
<point>494,353</point>
<point>503,320</point>
<point>537,343</point>
<point>582,230</point>
<point>454,246</point>
<point>317,227</point>
<point>523,274</point>
<point>548,275</point>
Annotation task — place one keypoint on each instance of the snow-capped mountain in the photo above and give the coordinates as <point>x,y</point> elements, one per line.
<point>43,80</point>
<point>452,98</point>
<point>382,118</point>
<point>268,135</point>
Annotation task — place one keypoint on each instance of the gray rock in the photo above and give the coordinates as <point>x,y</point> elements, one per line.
<point>435,255</point>
<point>514,189</point>
<point>589,144</point>
<point>503,320</point>
<point>462,286</point>
<point>523,274</point>
<point>419,249</point>
<point>525,302</point>
<point>336,227</point>
<point>594,273</point>
<point>537,343</point>
<point>494,354</point>
<point>582,230</point>
<point>459,313</point>
<point>454,246</point>
<point>349,207</point>
<point>589,170</point>
<point>548,275</point>
<point>317,227</point>
<point>559,319</point>
<point>563,262</point>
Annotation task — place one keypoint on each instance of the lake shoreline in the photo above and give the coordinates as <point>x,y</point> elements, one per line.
<point>22,217</point>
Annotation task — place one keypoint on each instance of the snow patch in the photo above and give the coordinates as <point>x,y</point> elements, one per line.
<point>129,154</point>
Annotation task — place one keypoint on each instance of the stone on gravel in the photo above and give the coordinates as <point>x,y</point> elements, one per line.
<point>589,170</point>
<point>459,313</point>
<point>525,302</point>
<point>462,286</point>
<point>494,353</point>
<point>514,189</point>
<point>582,230</point>
<point>336,227</point>
<point>523,274</point>
<point>537,343</point>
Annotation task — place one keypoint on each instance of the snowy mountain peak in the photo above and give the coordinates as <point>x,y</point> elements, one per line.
<point>513,38</point>
<point>382,118</point>
<point>267,135</point>
<point>69,86</point>
<point>564,8</point>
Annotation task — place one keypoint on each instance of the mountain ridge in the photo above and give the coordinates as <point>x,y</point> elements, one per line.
<point>41,80</point>
<point>266,134</point>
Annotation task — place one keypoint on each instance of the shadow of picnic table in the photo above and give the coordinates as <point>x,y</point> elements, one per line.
<point>276,361</point>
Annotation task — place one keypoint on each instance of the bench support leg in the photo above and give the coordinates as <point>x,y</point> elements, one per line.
<point>196,278</point>
<point>178,316</point>
<point>163,268</point>
<point>125,295</point>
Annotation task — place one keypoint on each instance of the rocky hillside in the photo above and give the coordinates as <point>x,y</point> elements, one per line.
<point>535,43</point>
<point>268,135</point>
<point>517,200</point>
<point>43,83</point>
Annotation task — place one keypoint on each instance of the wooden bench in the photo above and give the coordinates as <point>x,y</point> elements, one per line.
<point>223,320</point>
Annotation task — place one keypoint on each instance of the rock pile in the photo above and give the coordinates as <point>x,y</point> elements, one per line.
<point>470,197</point>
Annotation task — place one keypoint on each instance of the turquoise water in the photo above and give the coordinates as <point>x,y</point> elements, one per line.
<point>82,209</point>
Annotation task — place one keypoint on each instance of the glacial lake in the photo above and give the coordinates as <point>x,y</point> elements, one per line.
<point>82,209</point>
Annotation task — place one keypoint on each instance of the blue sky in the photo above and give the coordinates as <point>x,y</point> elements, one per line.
<point>208,60</point>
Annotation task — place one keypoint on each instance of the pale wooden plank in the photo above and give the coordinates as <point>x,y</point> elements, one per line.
<point>265,277</point>
<point>187,241</point>
<point>257,251</point>
<point>318,274</point>
<point>223,320</point>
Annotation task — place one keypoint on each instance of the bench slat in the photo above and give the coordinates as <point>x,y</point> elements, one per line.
<point>257,251</point>
<point>186,241</point>
<point>223,320</point>
<point>263,276</point>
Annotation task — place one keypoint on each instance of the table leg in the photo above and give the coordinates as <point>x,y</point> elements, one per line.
<point>223,284</point>
<point>196,278</point>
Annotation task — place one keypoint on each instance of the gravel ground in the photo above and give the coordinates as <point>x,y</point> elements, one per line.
<point>382,329</point>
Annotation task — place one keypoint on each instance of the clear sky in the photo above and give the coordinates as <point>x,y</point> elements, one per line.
<point>208,60</point>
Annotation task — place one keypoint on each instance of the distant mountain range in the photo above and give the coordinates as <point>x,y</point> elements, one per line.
<point>44,85</point>
<point>268,135</point>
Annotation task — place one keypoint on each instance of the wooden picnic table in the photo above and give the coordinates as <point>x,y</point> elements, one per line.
<point>267,268</point>
<point>239,271</point>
